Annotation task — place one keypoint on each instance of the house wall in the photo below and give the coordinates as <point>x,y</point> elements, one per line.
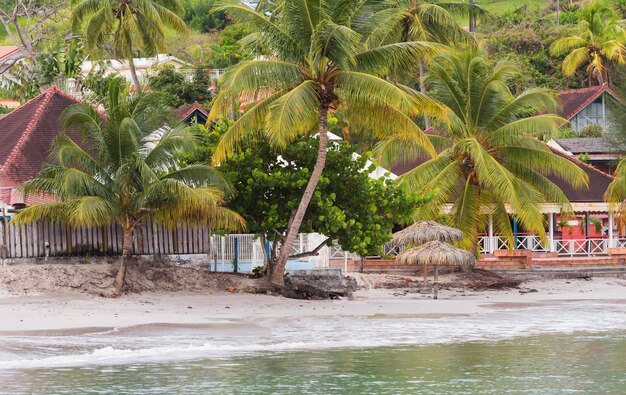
<point>595,113</point>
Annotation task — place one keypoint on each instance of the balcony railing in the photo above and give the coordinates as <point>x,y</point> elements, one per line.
<point>570,247</point>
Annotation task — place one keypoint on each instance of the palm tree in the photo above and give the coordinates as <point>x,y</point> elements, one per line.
<point>616,192</point>
<point>127,170</point>
<point>421,20</point>
<point>129,24</point>
<point>599,40</point>
<point>317,64</point>
<point>488,159</point>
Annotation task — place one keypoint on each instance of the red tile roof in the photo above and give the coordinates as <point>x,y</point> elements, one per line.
<point>26,135</point>
<point>574,100</point>
<point>8,50</point>
<point>185,111</point>
<point>598,180</point>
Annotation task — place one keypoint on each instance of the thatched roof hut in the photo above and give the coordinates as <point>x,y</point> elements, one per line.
<point>425,231</point>
<point>436,253</point>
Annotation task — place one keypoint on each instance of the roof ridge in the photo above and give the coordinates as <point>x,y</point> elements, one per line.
<point>49,94</point>
<point>191,108</point>
<point>600,89</point>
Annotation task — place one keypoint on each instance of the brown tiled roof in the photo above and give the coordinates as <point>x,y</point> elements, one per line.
<point>598,180</point>
<point>26,134</point>
<point>185,111</point>
<point>574,100</point>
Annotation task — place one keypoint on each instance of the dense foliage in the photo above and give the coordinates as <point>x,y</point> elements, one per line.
<point>180,90</point>
<point>348,205</point>
<point>488,156</point>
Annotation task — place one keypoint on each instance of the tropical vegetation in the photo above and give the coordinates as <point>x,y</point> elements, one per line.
<point>599,39</point>
<point>488,158</point>
<point>320,64</point>
<point>130,171</point>
<point>127,27</point>
<point>349,207</point>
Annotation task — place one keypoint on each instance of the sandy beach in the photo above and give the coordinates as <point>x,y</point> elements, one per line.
<point>48,313</point>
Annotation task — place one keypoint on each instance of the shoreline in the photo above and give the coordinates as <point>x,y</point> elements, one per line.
<point>52,313</point>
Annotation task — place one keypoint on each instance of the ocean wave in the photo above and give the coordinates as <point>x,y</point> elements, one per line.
<point>333,333</point>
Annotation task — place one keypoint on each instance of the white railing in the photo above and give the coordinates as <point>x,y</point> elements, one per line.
<point>619,243</point>
<point>533,243</point>
<point>581,247</point>
<point>392,250</point>
<point>530,242</point>
<point>485,243</point>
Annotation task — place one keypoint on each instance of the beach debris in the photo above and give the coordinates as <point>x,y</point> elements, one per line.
<point>318,286</point>
<point>527,291</point>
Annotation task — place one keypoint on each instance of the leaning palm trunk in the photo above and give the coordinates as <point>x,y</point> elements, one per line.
<point>133,72</point>
<point>277,275</point>
<point>120,278</point>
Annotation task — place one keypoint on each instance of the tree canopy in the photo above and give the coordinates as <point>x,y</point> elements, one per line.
<point>488,161</point>
<point>130,170</point>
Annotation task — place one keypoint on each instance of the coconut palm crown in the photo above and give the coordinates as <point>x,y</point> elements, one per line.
<point>127,170</point>
<point>129,25</point>
<point>317,63</point>
<point>599,40</point>
<point>421,20</point>
<point>488,161</point>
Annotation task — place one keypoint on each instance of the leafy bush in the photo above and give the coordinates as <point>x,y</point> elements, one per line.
<point>200,18</point>
<point>4,110</point>
<point>592,130</point>
<point>178,90</point>
<point>568,18</point>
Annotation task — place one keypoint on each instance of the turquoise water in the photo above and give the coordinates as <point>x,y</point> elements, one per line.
<point>547,364</point>
<point>561,347</point>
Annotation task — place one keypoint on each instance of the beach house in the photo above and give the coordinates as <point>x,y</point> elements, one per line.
<point>26,135</point>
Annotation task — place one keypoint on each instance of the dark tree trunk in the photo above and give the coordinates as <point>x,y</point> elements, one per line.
<point>120,278</point>
<point>277,273</point>
<point>133,71</point>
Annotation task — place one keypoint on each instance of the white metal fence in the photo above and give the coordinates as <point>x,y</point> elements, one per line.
<point>571,247</point>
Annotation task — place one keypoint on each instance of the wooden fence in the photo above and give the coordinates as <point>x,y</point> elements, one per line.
<point>32,240</point>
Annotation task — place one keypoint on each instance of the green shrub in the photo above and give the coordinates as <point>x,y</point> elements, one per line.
<point>568,18</point>
<point>592,130</point>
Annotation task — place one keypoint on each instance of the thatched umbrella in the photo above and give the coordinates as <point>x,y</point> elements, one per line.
<point>436,253</point>
<point>425,231</point>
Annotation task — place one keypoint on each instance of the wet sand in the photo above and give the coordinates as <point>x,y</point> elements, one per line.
<point>160,313</point>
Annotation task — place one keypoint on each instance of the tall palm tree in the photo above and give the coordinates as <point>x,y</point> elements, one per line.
<point>600,39</point>
<point>421,20</point>
<point>128,172</point>
<point>616,192</point>
<point>129,24</point>
<point>488,159</point>
<point>317,64</point>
